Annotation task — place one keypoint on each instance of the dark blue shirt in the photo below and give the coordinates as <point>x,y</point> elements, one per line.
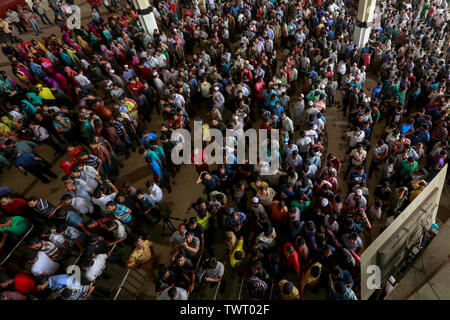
<point>25,160</point>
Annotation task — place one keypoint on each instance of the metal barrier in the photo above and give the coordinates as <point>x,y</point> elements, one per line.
<point>136,275</point>
<point>240,288</point>
<point>217,290</point>
<point>17,245</point>
<point>272,289</point>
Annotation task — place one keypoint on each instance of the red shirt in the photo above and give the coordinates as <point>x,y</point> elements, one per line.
<point>135,88</point>
<point>66,166</point>
<point>292,260</point>
<point>18,207</point>
<point>335,162</point>
<point>24,283</point>
<point>76,150</point>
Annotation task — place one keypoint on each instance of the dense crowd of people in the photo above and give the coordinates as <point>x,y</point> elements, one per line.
<point>234,65</point>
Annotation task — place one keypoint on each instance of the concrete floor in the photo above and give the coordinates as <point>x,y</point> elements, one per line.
<point>184,190</point>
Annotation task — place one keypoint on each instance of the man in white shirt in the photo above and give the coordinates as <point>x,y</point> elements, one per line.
<point>218,99</point>
<point>93,267</point>
<point>100,199</point>
<point>42,265</point>
<point>162,60</point>
<point>173,293</point>
<point>154,191</point>
<point>81,205</point>
<point>14,16</point>
<point>355,137</point>
<point>303,142</point>
<point>84,82</point>
<point>267,237</point>
<point>41,134</point>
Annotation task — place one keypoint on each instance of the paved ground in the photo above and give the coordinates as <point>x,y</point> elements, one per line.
<point>185,191</point>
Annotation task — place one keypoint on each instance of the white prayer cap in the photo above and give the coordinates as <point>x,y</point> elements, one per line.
<point>324,202</point>
<point>359,192</point>
<point>255,200</point>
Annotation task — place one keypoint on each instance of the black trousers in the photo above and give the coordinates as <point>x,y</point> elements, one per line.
<point>39,171</point>
<point>50,142</point>
<point>20,26</point>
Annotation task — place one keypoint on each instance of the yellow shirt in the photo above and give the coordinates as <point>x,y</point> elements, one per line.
<point>231,244</point>
<point>254,187</point>
<point>204,222</point>
<point>130,106</point>
<point>142,255</point>
<point>5,27</point>
<point>294,295</point>
<point>239,247</point>
<point>46,93</point>
<point>415,193</point>
<point>308,279</point>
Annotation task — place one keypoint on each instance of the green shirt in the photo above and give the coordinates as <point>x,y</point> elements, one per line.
<point>405,168</point>
<point>302,206</point>
<point>19,226</point>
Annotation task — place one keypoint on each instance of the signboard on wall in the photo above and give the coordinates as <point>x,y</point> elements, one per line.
<point>388,250</point>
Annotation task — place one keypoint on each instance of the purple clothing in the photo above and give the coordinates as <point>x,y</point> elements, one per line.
<point>52,83</point>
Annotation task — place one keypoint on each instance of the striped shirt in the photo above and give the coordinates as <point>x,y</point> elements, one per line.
<point>44,207</point>
<point>51,250</point>
<point>121,213</point>
<point>119,128</point>
<point>92,161</point>
<point>77,294</point>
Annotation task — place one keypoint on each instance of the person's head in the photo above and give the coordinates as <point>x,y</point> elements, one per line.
<point>268,230</point>
<point>110,206</point>
<point>257,267</point>
<point>189,236</point>
<point>34,243</point>
<point>87,263</point>
<point>315,271</point>
<point>239,255</point>
<point>336,272</point>
<point>212,263</point>
<point>340,288</point>
<point>352,237</point>
<point>193,222</point>
<point>173,293</point>
<point>288,287</point>
<point>6,200</point>
<point>5,280</point>
<point>67,199</point>
<point>111,225</point>
<point>41,283</point>
<point>30,257</point>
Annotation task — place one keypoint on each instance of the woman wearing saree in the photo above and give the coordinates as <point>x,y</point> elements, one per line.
<point>107,54</point>
<point>34,98</point>
<point>107,34</point>
<point>23,52</point>
<point>66,58</point>
<point>85,46</point>
<point>64,84</point>
<point>119,52</point>
<point>36,68</point>
<point>23,73</point>
<point>52,83</point>
<point>73,55</point>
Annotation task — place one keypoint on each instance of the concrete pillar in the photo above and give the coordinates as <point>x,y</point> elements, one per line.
<point>146,16</point>
<point>366,10</point>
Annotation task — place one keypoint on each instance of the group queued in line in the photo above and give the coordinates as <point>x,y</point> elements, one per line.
<point>234,65</point>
